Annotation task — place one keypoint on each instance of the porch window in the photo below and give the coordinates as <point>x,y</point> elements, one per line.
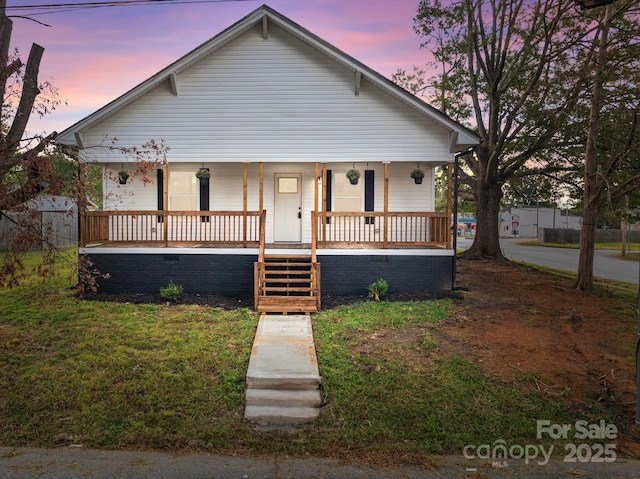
<point>183,191</point>
<point>346,197</point>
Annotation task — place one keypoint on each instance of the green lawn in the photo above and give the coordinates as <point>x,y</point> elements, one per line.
<point>601,246</point>
<point>111,375</point>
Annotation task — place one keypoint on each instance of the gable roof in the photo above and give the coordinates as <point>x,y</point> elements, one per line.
<point>462,138</point>
<point>51,203</point>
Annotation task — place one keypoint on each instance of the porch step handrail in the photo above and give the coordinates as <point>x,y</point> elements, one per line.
<point>263,236</point>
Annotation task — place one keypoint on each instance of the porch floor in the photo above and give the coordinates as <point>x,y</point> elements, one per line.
<point>292,246</point>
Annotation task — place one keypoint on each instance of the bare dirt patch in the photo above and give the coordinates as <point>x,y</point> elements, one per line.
<point>534,329</point>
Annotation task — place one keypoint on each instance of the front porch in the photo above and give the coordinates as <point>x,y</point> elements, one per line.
<point>276,251</point>
<point>286,276</point>
<point>291,233</point>
<point>246,229</point>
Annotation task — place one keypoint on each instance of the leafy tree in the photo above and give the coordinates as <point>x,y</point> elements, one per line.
<point>612,156</point>
<point>512,60</point>
<point>25,166</point>
<point>466,204</point>
<point>33,165</point>
<point>530,190</point>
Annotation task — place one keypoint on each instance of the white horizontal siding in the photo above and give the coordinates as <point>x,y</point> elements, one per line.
<point>135,195</point>
<point>275,100</point>
<point>404,194</point>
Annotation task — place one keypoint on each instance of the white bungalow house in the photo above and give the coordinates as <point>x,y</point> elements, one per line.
<point>277,116</point>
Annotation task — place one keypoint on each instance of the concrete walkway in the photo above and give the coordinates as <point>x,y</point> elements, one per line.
<point>283,377</point>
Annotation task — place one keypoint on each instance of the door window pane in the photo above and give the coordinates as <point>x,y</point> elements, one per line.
<point>287,185</point>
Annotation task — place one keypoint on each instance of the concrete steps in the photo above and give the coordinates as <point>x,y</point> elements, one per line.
<point>283,377</point>
<point>283,398</point>
<point>280,416</point>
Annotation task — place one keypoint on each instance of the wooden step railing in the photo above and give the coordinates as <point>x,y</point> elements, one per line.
<point>287,284</point>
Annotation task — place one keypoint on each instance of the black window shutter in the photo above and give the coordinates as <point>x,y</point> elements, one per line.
<point>204,198</point>
<point>160,189</point>
<point>327,204</point>
<point>369,183</point>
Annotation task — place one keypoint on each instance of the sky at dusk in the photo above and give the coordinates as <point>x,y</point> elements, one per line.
<point>92,56</point>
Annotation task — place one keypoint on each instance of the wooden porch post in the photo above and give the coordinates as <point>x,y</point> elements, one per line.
<point>316,192</point>
<point>165,202</point>
<point>450,202</point>
<point>323,223</point>
<point>245,169</point>
<point>261,186</point>
<point>385,241</point>
<point>314,213</point>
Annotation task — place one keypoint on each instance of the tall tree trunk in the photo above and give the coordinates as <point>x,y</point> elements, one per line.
<point>592,181</point>
<point>584,278</point>
<point>486,243</point>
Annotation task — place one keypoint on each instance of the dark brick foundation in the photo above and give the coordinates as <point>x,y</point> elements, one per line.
<point>404,274</point>
<point>233,274</point>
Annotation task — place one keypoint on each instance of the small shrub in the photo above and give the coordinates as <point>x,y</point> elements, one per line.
<point>378,289</point>
<point>171,292</point>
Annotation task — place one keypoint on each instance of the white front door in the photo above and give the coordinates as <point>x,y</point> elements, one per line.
<point>287,227</point>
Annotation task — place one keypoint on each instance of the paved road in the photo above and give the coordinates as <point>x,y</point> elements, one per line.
<point>605,264</point>
<point>26,463</point>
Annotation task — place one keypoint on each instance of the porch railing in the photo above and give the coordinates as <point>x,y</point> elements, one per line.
<point>382,230</point>
<point>162,227</point>
<point>238,228</point>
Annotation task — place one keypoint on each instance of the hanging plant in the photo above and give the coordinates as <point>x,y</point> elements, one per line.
<point>417,176</point>
<point>123,176</point>
<point>353,175</point>
<point>203,174</point>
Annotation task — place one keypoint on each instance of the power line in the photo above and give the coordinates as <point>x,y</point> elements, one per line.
<point>44,9</point>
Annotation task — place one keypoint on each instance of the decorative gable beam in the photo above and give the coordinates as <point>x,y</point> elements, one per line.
<point>79,141</point>
<point>265,28</point>
<point>174,83</point>
<point>358,81</point>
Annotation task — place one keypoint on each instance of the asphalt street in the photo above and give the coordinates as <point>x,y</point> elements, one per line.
<point>65,463</point>
<point>605,263</point>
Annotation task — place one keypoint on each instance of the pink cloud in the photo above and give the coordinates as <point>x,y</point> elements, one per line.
<point>93,56</point>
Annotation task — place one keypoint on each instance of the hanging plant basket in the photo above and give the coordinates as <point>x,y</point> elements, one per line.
<point>203,174</point>
<point>354,176</point>
<point>417,176</point>
<point>123,176</point>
